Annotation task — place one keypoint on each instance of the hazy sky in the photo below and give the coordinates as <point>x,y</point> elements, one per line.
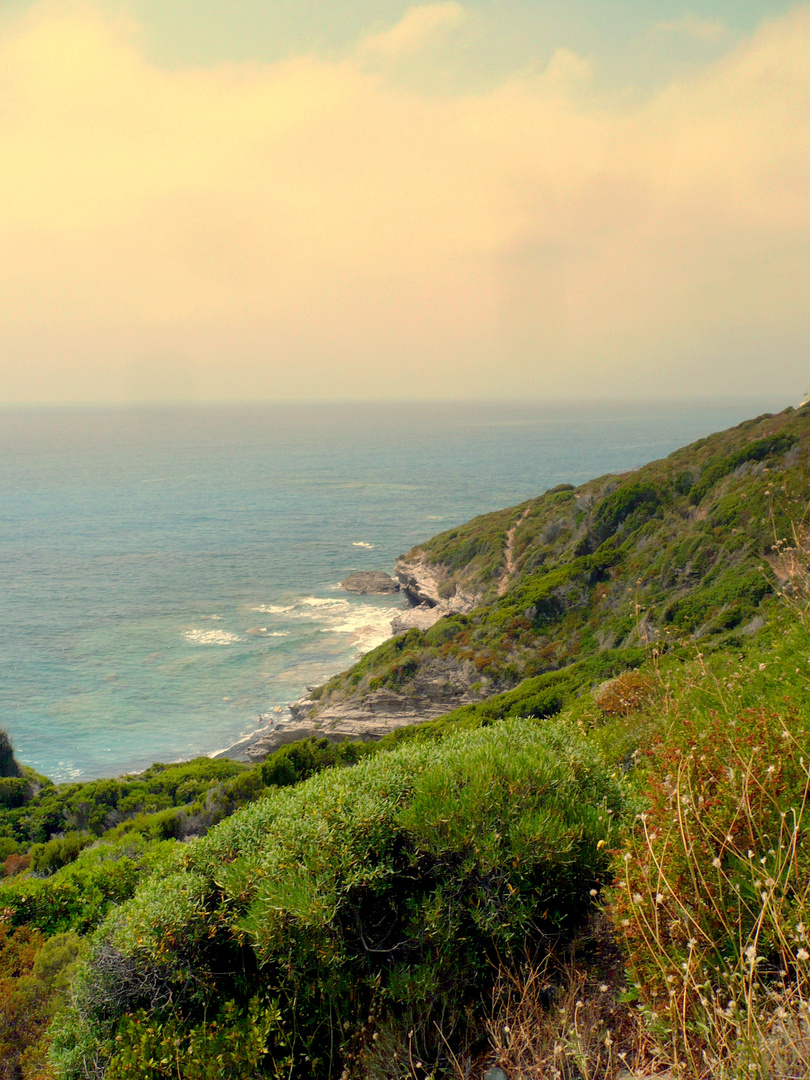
<point>341,199</point>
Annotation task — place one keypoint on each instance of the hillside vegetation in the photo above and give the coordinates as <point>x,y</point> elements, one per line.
<point>599,869</point>
<point>680,546</point>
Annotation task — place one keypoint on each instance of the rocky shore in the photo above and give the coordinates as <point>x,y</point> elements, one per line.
<point>439,687</point>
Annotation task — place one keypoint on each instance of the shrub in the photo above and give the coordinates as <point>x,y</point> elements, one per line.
<point>234,1045</point>
<point>15,864</point>
<point>8,847</point>
<point>299,760</point>
<point>34,977</point>
<point>14,792</point>
<point>624,694</point>
<point>757,450</point>
<point>395,885</point>
<point>46,858</point>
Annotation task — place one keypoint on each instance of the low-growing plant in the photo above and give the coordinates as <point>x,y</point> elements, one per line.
<point>34,979</point>
<point>392,887</point>
<point>299,760</point>
<point>46,858</point>
<point>625,694</point>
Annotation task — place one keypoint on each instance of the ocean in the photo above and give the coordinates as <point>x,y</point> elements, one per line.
<point>168,575</point>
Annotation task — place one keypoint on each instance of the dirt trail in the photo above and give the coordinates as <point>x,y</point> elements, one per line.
<point>509,569</point>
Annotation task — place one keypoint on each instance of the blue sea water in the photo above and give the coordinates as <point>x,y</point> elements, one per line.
<point>168,574</point>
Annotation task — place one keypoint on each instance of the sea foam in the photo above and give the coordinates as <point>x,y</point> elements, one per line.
<point>211,637</point>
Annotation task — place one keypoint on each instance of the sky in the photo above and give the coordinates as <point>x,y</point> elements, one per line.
<point>247,200</point>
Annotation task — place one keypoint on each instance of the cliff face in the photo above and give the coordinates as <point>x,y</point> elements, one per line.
<point>682,548</point>
<point>430,592</point>
<point>8,763</point>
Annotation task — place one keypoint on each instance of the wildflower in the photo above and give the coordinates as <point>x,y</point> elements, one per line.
<point>608,1040</point>
<point>659,898</point>
<point>627,856</point>
<point>771,770</point>
<point>603,989</point>
<point>637,898</point>
<point>762,667</point>
<point>593,892</point>
<point>716,863</point>
<point>803,954</point>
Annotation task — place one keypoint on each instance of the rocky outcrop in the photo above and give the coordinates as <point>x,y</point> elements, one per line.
<point>438,687</point>
<point>430,593</point>
<point>370,583</point>
<point>421,618</point>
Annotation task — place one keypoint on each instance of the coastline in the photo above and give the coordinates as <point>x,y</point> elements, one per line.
<point>381,711</point>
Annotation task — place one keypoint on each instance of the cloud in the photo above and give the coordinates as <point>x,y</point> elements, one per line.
<point>416,27</point>
<point>312,229</point>
<point>692,26</point>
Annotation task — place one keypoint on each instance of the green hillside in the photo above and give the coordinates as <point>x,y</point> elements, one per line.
<point>680,546</point>
<point>599,868</point>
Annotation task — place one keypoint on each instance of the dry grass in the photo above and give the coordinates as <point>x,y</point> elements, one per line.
<point>625,694</point>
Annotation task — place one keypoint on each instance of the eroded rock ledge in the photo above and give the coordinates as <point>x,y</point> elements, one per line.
<point>430,593</point>
<point>437,688</point>
<point>368,715</point>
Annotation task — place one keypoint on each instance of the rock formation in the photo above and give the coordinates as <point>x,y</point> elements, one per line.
<point>429,593</point>
<point>369,582</point>
<point>438,687</point>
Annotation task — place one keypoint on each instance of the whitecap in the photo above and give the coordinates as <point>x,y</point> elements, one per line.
<point>210,637</point>
<point>368,626</point>
<point>211,618</point>
<point>361,544</point>
<point>273,609</point>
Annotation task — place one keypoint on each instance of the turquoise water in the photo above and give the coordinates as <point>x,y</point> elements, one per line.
<point>167,575</point>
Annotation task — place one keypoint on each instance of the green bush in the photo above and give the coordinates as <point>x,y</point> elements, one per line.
<point>299,760</point>
<point>236,1044</point>
<point>78,896</point>
<point>14,792</point>
<point>394,885</point>
<point>757,450</point>
<point>46,858</point>
<point>100,805</point>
